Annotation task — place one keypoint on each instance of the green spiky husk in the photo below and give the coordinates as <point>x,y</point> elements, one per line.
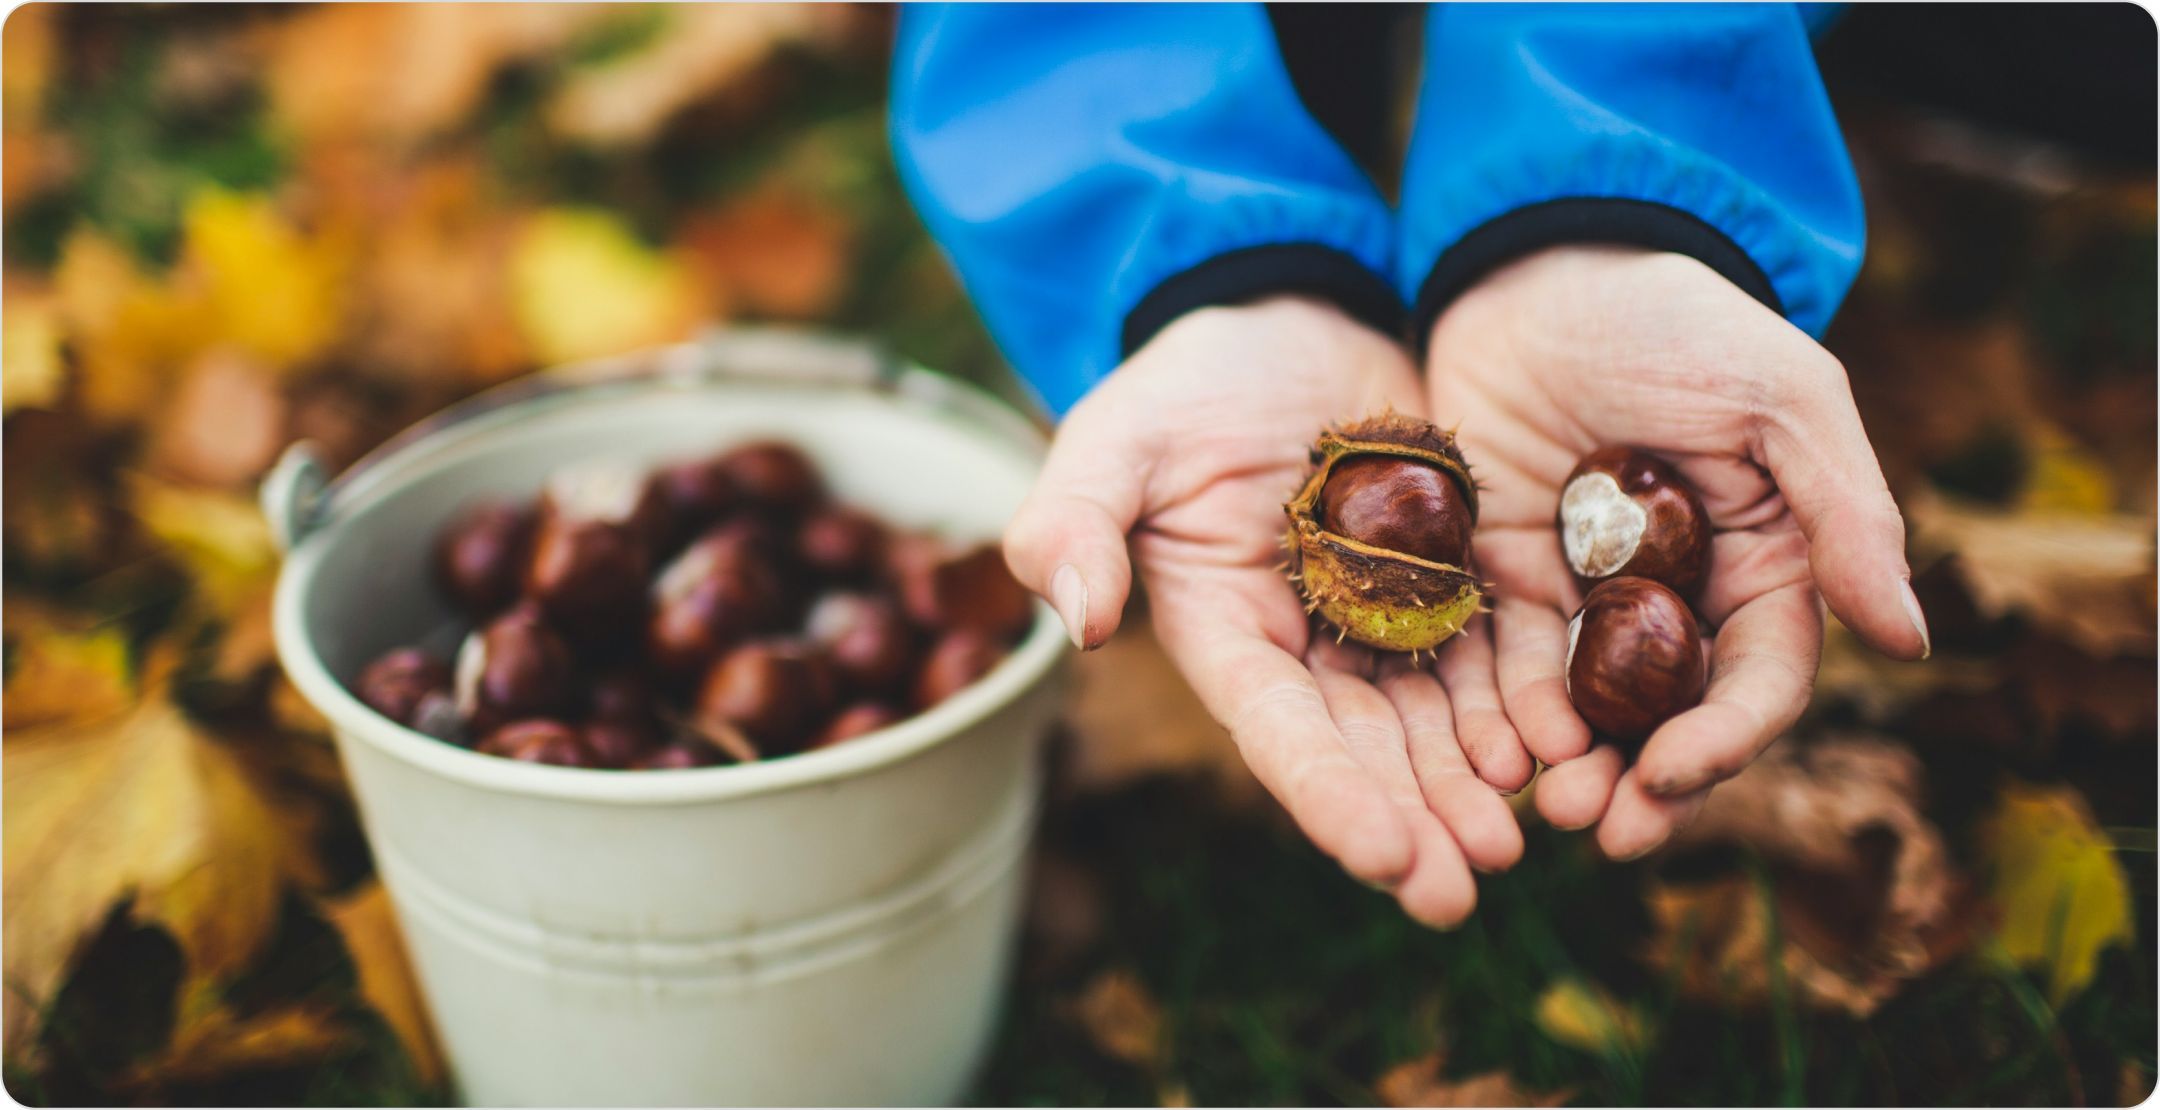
<point>1382,599</point>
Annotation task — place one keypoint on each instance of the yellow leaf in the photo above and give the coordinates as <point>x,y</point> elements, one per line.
<point>30,370</point>
<point>1417,1082</point>
<point>140,803</point>
<point>129,332</point>
<point>1121,1017</point>
<point>61,674</point>
<point>584,285</point>
<point>2064,477</point>
<point>2061,891</point>
<point>377,947</point>
<point>221,536</point>
<point>275,293</point>
<point>1585,1016</point>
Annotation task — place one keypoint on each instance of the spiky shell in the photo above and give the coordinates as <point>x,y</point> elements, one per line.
<point>1380,598</point>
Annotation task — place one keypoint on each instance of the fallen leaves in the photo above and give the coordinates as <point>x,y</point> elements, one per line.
<point>1121,1018</point>
<point>2057,883</point>
<point>1865,898</point>
<point>141,803</point>
<point>584,285</point>
<point>700,49</point>
<point>1588,1017</point>
<point>2086,579</point>
<point>368,924</point>
<point>1417,1082</point>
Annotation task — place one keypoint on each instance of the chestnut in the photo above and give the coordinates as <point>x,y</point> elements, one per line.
<point>1404,505</point>
<point>720,590</point>
<point>598,528</point>
<point>1634,658</point>
<point>972,588</point>
<point>854,721</point>
<point>681,755</point>
<point>839,542</point>
<point>774,476</point>
<point>1627,512</point>
<point>696,494</point>
<point>870,645</point>
<point>514,667</point>
<point>537,740</point>
<point>959,658</point>
<point>480,556</point>
<point>615,744</point>
<point>399,682</point>
<point>624,697</point>
<point>774,693</point>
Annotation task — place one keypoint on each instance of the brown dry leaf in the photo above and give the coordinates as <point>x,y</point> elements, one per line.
<point>701,50</point>
<point>225,424</point>
<point>1417,1082</point>
<point>369,925</point>
<point>583,285</point>
<point>2057,882</point>
<point>1866,896</point>
<point>776,251</point>
<point>63,671</point>
<point>403,72</point>
<point>434,287</point>
<point>1133,715</point>
<point>2083,578</point>
<point>1121,1018</point>
<point>140,803</point>
<point>217,1043</point>
<point>1880,687</point>
<point>128,331</point>
<point>1586,1016</point>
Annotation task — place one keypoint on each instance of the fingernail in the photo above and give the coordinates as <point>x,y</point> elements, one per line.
<point>1069,594</point>
<point>1913,614</point>
<point>1372,884</point>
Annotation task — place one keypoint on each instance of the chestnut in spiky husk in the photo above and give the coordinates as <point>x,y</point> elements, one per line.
<point>1634,658</point>
<point>1380,534</point>
<point>1625,512</point>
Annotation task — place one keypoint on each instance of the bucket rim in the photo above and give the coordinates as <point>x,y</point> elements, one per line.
<point>1027,666</point>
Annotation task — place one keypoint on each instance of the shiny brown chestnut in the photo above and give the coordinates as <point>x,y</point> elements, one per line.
<point>480,556</point>
<point>774,693</point>
<point>1398,504</point>
<point>959,658</point>
<point>841,543</point>
<point>1627,512</point>
<point>399,681</point>
<point>514,667</point>
<point>681,755</point>
<point>722,589</point>
<point>971,588</point>
<point>1634,658</point>
<point>871,646</point>
<point>624,697</point>
<point>599,526</point>
<point>774,476</point>
<point>615,744</point>
<point>538,740</point>
<point>856,720</point>
<point>697,494</point>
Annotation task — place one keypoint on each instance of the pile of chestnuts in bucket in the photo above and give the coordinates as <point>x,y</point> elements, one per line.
<point>1379,546</point>
<point>714,610</point>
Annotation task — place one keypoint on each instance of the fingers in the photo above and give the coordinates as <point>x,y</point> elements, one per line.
<point>1813,443</point>
<point>1575,794</point>
<point>1637,823</point>
<point>1465,666</point>
<point>1483,825</point>
<point>1438,890</point>
<point>1762,671</point>
<point>1280,722</point>
<point>1067,542</point>
<point>1531,666</point>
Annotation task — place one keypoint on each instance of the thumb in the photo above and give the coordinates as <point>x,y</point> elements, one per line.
<point>1067,542</point>
<point>1818,452</point>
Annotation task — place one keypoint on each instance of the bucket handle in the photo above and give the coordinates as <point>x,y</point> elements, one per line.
<point>297,493</point>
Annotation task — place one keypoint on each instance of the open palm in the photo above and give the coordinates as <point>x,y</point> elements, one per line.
<point>1577,348</point>
<point>1191,447</point>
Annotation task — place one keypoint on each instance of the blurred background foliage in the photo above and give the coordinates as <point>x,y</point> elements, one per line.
<point>226,228</point>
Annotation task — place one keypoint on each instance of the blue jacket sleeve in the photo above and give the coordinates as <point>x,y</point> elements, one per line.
<point>1093,171</point>
<point>1697,128</point>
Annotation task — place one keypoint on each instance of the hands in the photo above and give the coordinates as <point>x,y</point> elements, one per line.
<point>1576,348</point>
<point>1191,447</point>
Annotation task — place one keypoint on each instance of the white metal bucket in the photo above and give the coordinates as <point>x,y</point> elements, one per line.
<point>832,928</point>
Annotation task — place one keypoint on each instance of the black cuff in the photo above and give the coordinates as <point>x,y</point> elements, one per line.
<point>1253,272</point>
<point>1635,223</point>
